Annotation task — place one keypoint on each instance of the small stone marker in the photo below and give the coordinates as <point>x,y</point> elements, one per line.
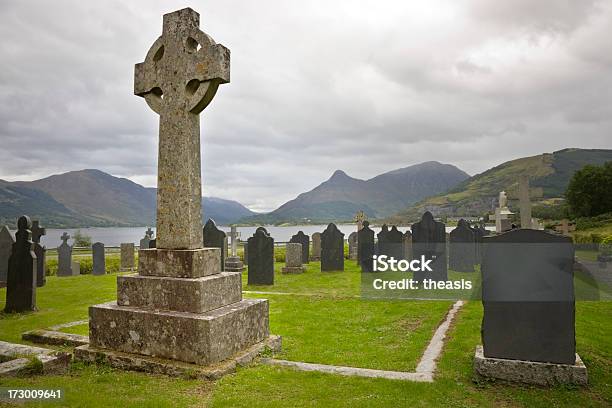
<point>462,248</point>
<point>407,240</point>
<point>145,242</point>
<point>21,280</point>
<point>215,238</point>
<point>316,246</point>
<point>429,240</point>
<point>233,262</point>
<point>64,257</point>
<point>332,249</point>
<point>352,244</point>
<point>529,311</point>
<point>261,258</point>
<point>367,247</point>
<point>6,247</point>
<point>99,260</point>
<point>127,256</point>
<point>76,268</point>
<point>293,258</point>
<point>40,251</point>
<point>301,238</point>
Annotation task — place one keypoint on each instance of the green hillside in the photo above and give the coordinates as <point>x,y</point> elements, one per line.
<point>549,176</point>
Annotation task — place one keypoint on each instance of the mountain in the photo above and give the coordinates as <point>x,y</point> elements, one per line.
<point>94,198</point>
<point>340,197</point>
<point>549,175</point>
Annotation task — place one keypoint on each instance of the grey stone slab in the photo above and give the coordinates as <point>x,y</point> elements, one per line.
<point>301,238</point>
<point>179,263</point>
<point>127,256</point>
<point>99,259</point>
<point>40,251</point>
<point>391,242</point>
<point>6,246</point>
<point>64,257</point>
<point>367,247</point>
<point>53,362</point>
<point>332,249</point>
<point>21,279</point>
<point>352,244</point>
<point>293,258</point>
<point>55,338</point>
<point>261,258</point>
<point>528,297</point>
<point>407,240</point>
<point>429,240</point>
<point>316,246</point>
<point>462,248</point>
<point>213,237</point>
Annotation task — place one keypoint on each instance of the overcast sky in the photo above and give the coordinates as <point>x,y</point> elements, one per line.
<point>365,86</point>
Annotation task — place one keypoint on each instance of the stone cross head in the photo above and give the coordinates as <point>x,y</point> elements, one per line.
<point>149,232</point>
<point>65,237</point>
<point>183,68</point>
<point>37,231</point>
<point>23,233</point>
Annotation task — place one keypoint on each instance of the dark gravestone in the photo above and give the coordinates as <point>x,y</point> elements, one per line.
<point>64,257</point>
<point>261,258</point>
<point>301,238</point>
<point>429,240</point>
<point>462,248</point>
<point>352,244</point>
<point>245,252</point>
<point>382,240</point>
<point>395,245</point>
<point>407,239</point>
<point>479,233</point>
<point>153,243</point>
<point>99,261</point>
<point>40,251</point>
<point>6,247</point>
<point>366,247</point>
<point>21,282</point>
<point>528,297</point>
<point>215,238</point>
<point>332,249</point>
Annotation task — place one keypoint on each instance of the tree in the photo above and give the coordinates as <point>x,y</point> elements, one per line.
<point>589,192</point>
<point>81,240</point>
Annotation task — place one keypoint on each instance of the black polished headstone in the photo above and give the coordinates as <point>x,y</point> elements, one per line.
<point>332,249</point>
<point>366,247</point>
<point>528,297</point>
<point>99,260</point>
<point>429,240</point>
<point>40,251</point>
<point>261,258</point>
<point>462,248</point>
<point>301,238</point>
<point>21,282</point>
<point>479,233</point>
<point>215,238</point>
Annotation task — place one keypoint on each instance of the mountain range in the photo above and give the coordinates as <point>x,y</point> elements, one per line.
<point>341,196</point>
<point>549,175</point>
<point>94,198</point>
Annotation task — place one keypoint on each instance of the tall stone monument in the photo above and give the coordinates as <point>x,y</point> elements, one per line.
<point>21,280</point>
<point>6,247</point>
<point>233,262</point>
<point>40,251</point>
<point>213,237</point>
<point>524,201</point>
<point>429,240</point>
<point>64,257</point>
<point>502,214</point>
<point>180,305</point>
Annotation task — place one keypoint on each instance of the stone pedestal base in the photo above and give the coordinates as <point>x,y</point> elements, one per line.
<point>153,365</point>
<point>293,269</point>
<point>233,264</point>
<point>530,372</point>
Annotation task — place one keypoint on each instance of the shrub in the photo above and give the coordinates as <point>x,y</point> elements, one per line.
<point>81,240</point>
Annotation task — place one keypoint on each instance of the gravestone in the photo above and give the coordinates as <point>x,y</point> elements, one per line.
<point>64,257</point>
<point>21,279</point>
<point>407,240</point>
<point>382,240</point>
<point>367,247</point>
<point>301,238</point>
<point>524,201</point>
<point>145,243</point>
<point>215,238</point>
<point>99,260</point>
<point>332,249</point>
<point>127,256</point>
<point>6,247</point>
<point>429,240</point>
<point>352,244</point>
<point>180,306</point>
<point>261,258</point>
<point>40,251</point>
<point>529,311</point>
<point>316,246</point>
<point>293,258</point>
<point>479,232</point>
<point>462,248</point>
<point>233,262</point>
<point>76,268</point>
<point>391,242</point>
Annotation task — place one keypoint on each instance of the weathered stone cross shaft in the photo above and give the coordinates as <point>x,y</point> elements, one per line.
<point>179,78</point>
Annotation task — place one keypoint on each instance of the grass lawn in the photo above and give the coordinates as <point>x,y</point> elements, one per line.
<point>333,327</point>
